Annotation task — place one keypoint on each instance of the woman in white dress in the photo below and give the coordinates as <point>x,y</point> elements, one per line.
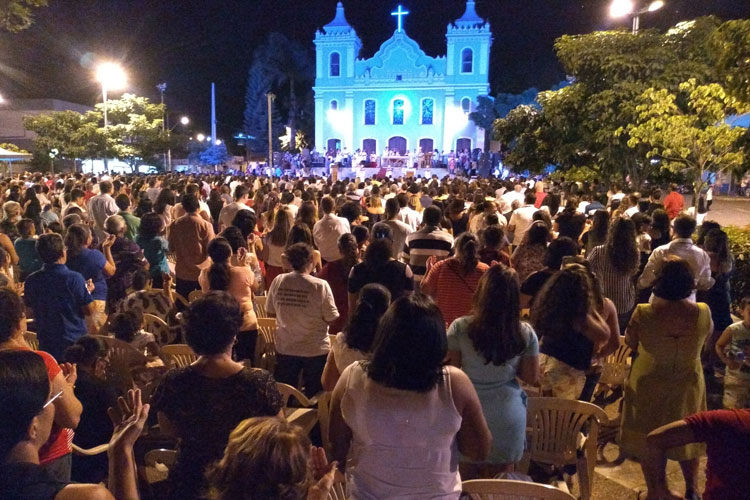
<point>399,422</point>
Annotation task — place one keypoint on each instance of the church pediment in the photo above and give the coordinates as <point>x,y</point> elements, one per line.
<point>400,55</point>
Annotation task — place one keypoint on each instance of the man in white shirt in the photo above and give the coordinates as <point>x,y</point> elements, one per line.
<point>681,246</point>
<point>102,206</point>
<point>400,229</point>
<point>303,307</point>
<point>522,218</point>
<point>406,214</point>
<point>227,213</point>
<point>287,199</point>
<point>327,230</point>
<point>517,194</point>
<point>633,209</point>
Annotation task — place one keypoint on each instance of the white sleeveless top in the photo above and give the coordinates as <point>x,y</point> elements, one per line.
<point>403,442</point>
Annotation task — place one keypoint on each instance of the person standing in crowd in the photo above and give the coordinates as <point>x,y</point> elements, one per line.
<point>133,223</point>
<point>673,202</point>
<point>188,239</point>
<point>528,257</point>
<point>226,216</point>
<point>92,265</point>
<point>128,258</point>
<point>102,206</point>
<point>597,233</point>
<point>521,220</point>
<point>239,282</point>
<point>666,381</point>
<point>328,229</point>
<point>336,273</point>
<point>557,250</point>
<point>567,316</point>
<point>733,348</point>
<point>201,403</point>
<point>274,244</point>
<point>155,247</point>
<point>58,297</point>
<point>399,421</point>
<point>452,282</point>
<point>25,246</point>
<point>400,229</point>
<point>681,246</point>
<point>493,347</point>
<point>616,264</point>
<point>355,341</point>
<point>427,242</point>
<point>303,307</point>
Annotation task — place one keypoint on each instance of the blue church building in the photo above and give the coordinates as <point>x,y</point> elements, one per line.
<point>400,99</point>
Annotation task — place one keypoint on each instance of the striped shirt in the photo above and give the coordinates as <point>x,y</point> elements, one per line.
<point>618,287</point>
<point>423,244</point>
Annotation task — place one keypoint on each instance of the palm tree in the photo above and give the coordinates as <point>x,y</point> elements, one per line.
<point>287,63</point>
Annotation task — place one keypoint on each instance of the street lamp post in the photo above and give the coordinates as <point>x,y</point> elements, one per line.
<point>622,8</point>
<point>111,77</point>
<point>270,97</point>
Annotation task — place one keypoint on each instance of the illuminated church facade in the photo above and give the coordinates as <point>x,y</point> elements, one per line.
<point>400,99</point>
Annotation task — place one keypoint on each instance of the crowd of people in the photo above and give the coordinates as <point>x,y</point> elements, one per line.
<point>426,308</point>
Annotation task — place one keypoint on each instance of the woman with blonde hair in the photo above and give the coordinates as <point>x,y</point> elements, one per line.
<point>274,244</point>
<point>269,459</point>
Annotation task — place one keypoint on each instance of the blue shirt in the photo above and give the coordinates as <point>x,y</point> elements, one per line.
<point>90,263</point>
<point>57,296</point>
<point>28,258</point>
<point>155,250</point>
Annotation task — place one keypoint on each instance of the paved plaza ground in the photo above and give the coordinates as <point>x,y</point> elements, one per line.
<point>728,211</point>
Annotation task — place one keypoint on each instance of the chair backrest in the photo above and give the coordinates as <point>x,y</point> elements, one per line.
<point>554,428</point>
<point>617,365</point>
<point>123,358</point>
<point>195,295</point>
<point>259,304</point>
<point>31,340</point>
<point>287,391</point>
<point>177,355</point>
<point>338,491</point>
<point>506,489</point>
<point>265,349</point>
<point>324,419</point>
<point>157,464</point>
<point>159,328</point>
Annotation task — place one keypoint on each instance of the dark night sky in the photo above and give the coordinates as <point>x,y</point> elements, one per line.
<point>188,44</point>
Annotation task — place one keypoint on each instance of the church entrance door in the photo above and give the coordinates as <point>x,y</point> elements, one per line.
<point>426,145</point>
<point>334,145</point>
<point>397,144</point>
<point>463,144</point>
<point>369,146</point>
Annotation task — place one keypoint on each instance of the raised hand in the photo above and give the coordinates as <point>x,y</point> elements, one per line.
<point>323,472</point>
<point>128,419</point>
<point>70,372</point>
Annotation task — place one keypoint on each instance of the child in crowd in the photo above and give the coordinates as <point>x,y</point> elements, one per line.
<point>128,327</point>
<point>25,245</point>
<point>145,299</point>
<point>642,239</point>
<point>733,348</point>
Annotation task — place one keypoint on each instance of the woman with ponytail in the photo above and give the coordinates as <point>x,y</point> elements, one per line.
<point>336,273</point>
<point>91,357</point>
<point>239,281</point>
<point>355,342</point>
<point>453,281</point>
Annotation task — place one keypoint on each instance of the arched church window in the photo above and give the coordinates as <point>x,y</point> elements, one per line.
<point>428,106</point>
<point>335,66</point>
<point>466,105</point>
<point>334,105</point>
<point>370,112</point>
<point>398,112</point>
<point>467,61</point>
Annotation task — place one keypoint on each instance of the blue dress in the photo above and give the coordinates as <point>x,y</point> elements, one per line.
<point>503,400</point>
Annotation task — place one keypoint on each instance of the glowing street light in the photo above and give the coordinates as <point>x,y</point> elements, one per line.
<point>111,76</point>
<point>2,99</point>
<point>184,120</point>
<point>218,142</point>
<point>200,137</point>
<point>623,8</point>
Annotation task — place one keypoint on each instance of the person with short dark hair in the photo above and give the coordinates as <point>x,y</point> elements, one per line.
<point>521,219</point>
<point>673,202</point>
<point>188,239</point>
<point>123,203</point>
<point>303,307</point>
<point>681,246</point>
<point>327,231</point>
<point>58,297</point>
<point>25,246</point>
<point>405,403</point>
<point>666,381</point>
<point>155,247</point>
<point>427,242</point>
<point>102,206</point>
<point>228,212</point>
<point>201,403</point>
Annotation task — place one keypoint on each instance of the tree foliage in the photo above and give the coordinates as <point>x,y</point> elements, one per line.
<point>687,130</point>
<point>589,123</point>
<point>18,15</point>
<point>256,112</point>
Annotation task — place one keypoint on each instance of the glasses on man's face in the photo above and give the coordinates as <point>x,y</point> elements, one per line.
<point>52,399</point>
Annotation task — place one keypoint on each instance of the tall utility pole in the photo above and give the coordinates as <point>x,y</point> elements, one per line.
<point>270,98</point>
<point>213,115</point>
<point>162,87</point>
